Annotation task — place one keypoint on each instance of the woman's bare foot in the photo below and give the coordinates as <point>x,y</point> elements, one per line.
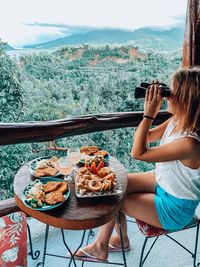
<point>115,241</point>
<point>100,251</point>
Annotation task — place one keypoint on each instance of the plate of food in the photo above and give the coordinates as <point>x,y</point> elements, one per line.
<point>103,183</point>
<point>88,153</point>
<point>44,167</point>
<point>46,193</point>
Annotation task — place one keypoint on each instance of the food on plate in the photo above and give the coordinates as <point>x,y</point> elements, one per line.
<point>62,188</point>
<point>103,153</point>
<point>93,151</point>
<point>46,167</point>
<point>110,176</point>
<point>95,185</point>
<point>83,170</point>
<point>104,171</point>
<point>88,181</point>
<point>50,193</point>
<point>49,171</point>
<point>89,150</point>
<point>54,198</point>
<point>84,149</point>
<point>51,186</point>
<point>94,167</point>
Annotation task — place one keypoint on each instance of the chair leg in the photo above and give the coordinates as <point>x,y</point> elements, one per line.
<point>196,245</point>
<point>142,252</point>
<point>143,248</point>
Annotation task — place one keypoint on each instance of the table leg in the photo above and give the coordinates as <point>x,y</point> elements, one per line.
<point>45,247</point>
<point>36,254</point>
<point>121,238</point>
<point>70,252</point>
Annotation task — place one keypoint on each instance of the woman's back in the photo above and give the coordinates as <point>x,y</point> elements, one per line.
<point>181,178</point>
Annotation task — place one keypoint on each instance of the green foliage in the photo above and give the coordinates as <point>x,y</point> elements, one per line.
<point>10,89</point>
<point>72,82</point>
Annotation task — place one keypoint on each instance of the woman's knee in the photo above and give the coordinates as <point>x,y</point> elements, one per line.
<point>128,205</point>
<point>141,182</point>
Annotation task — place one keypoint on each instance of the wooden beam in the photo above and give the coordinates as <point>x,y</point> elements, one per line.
<point>191,45</point>
<point>8,206</point>
<point>13,133</point>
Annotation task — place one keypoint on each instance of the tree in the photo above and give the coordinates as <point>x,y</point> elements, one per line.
<point>11,100</point>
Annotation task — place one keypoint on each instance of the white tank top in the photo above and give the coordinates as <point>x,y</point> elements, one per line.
<point>174,177</point>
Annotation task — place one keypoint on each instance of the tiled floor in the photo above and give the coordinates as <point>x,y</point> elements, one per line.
<point>165,253</point>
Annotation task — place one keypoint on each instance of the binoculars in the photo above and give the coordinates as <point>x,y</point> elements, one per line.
<point>141,90</point>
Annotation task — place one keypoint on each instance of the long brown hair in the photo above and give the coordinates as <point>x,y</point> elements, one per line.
<point>185,99</point>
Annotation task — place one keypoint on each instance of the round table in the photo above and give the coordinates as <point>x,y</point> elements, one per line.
<point>75,213</point>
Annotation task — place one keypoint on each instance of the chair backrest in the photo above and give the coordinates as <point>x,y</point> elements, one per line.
<point>13,240</point>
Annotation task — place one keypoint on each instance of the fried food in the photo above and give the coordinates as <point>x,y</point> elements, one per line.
<point>93,149</point>
<point>89,150</point>
<point>51,186</point>
<point>94,185</point>
<point>84,149</point>
<point>103,153</point>
<point>49,171</point>
<point>82,170</point>
<point>54,198</point>
<point>62,188</point>
<point>39,172</point>
<point>53,161</point>
<point>91,183</point>
<point>46,167</point>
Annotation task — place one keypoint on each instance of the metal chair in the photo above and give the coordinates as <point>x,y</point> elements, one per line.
<point>150,231</point>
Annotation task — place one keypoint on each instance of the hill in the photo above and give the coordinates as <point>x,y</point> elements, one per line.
<point>146,38</point>
<point>8,47</point>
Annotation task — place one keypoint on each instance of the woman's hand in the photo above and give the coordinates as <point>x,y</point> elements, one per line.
<point>153,100</point>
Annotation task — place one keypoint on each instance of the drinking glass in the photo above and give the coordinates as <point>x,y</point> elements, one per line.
<point>66,168</point>
<point>73,155</point>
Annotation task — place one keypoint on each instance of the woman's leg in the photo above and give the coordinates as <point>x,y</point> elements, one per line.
<point>137,183</point>
<point>141,182</point>
<point>144,182</point>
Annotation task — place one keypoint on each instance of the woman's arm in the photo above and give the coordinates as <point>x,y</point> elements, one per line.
<point>157,132</point>
<point>152,104</point>
<point>181,148</point>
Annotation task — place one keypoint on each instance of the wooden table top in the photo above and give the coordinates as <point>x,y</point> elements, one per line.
<point>75,213</point>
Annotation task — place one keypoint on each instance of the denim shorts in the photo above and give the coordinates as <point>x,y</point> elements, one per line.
<point>173,213</point>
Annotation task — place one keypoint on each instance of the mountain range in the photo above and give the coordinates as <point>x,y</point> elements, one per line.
<point>145,38</point>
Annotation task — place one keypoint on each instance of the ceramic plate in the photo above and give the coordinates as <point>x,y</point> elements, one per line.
<point>33,166</point>
<point>44,181</point>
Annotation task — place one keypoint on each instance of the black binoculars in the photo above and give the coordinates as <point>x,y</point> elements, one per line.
<point>141,90</point>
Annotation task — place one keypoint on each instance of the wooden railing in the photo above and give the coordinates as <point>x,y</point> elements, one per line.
<point>13,133</point>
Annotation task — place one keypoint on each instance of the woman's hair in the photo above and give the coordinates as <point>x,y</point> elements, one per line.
<point>185,99</point>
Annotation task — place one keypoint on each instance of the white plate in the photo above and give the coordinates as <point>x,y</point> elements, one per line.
<point>117,191</point>
<point>33,166</point>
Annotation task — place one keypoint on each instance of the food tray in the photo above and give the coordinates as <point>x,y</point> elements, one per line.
<point>115,192</point>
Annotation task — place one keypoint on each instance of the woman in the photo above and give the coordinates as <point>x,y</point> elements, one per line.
<point>168,197</point>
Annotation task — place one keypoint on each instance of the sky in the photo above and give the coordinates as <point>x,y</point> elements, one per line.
<point>33,21</point>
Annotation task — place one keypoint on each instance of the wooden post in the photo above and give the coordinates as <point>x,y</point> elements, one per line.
<point>191,44</point>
